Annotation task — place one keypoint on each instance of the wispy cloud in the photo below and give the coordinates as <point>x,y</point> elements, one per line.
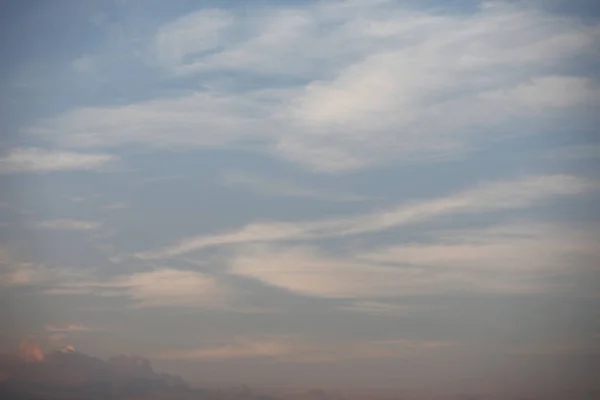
<point>68,328</point>
<point>505,259</point>
<point>14,271</point>
<point>580,152</point>
<point>69,225</point>
<point>278,187</point>
<point>380,82</point>
<point>294,349</point>
<point>236,349</point>
<point>83,64</point>
<point>175,288</point>
<point>158,288</point>
<point>115,206</point>
<point>487,197</point>
<point>21,160</point>
<point>378,308</point>
<point>506,248</point>
<point>304,271</point>
<point>20,274</point>
<point>162,179</point>
<point>192,35</point>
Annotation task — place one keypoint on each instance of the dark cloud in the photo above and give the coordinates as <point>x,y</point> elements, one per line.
<point>69,374</point>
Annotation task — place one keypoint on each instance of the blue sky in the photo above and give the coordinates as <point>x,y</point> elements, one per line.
<point>248,191</point>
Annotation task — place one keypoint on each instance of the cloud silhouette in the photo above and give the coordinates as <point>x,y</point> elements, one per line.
<point>69,374</point>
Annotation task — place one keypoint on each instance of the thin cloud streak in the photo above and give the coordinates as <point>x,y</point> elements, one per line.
<point>68,328</point>
<point>285,188</point>
<point>293,349</point>
<point>515,248</point>
<point>29,160</point>
<point>69,225</point>
<point>487,197</point>
<point>506,259</point>
<point>157,288</point>
<point>304,271</point>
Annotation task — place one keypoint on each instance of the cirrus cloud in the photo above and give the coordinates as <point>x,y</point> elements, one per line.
<point>361,83</point>
<point>484,198</point>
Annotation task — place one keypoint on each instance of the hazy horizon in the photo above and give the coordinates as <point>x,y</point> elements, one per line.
<point>392,195</point>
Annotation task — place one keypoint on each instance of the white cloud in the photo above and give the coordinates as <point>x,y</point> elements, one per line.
<point>275,187</point>
<point>174,288</point>
<point>303,271</point>
<point>505,259</point>
<point>158,288</point>
<point>22,160</point>
<point>367,83</point>
<point>192,121</point>
<point>487,197</point>
<point>162,287</point>
<point>506,248</point>
<point>69,225</point>
<point>257,232</point>
<point>155,288</point>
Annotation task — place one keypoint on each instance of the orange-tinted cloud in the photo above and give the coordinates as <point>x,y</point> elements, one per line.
<point>30,351</point>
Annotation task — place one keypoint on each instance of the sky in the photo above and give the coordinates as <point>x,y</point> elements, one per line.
<point>384,194</point>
